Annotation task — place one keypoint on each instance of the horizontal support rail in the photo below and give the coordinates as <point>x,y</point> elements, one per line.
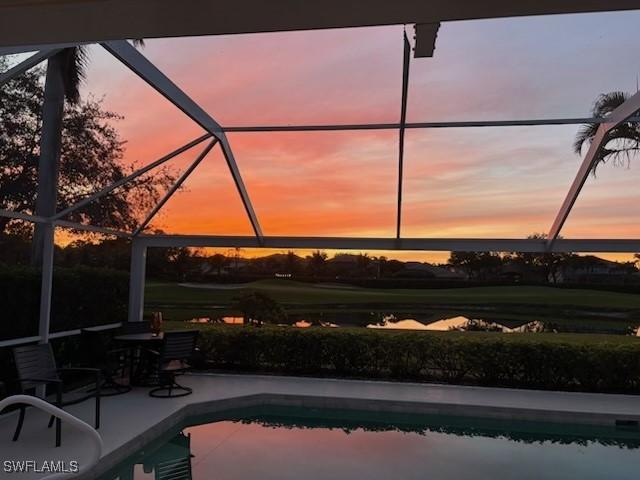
<point>421,125</point>
<point>96,439</point>
<point>26,64</point>
<point>132,176</point>
<point>62,223</point>
<point>417,244</point>
<point>66,333</point>
<point>91,228</point>
<point>23,216</point>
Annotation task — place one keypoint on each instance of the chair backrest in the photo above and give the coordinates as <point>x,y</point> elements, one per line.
<point>172,461</point>
<point>94,347</point>
<point>179,345</point>
<point>35,361</point>
<point>136,327</point>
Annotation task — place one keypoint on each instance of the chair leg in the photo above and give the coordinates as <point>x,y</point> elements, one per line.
<point>58,432</point>
<point>16,434</point>
<point>98,387</point>
<point>51,420</point>
<point>169,385</point>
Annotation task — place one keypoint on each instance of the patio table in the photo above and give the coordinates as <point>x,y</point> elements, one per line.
<point>136,342</point>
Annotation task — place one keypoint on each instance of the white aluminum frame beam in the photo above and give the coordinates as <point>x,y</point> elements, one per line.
<point>15,50</point>
<point>620,115</point>
<point>414,244</point>
<point>23,216</point>
<point>91,228</point>
<point>130,177</point>
<point>141,66</point>
<point>62,223</point>
<point>419,125</point>
<point>178,183</point>
<point>27,64</point>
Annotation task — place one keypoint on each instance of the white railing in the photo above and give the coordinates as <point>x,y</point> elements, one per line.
<point>96,439</point>
<point>67,333</point>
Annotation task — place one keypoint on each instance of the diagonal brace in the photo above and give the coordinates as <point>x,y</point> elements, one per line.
<point>621,114</point>
<point>175,187</point>
<point>141,66</point>
<point>130,177</point>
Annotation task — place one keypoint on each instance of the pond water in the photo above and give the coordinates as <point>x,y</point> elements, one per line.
<point>448,321</point>
<point>281,444</point>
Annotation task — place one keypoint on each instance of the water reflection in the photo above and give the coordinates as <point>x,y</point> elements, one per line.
<point>274,442</point>
<point>459,323</point>
<point>445,321</point>
<point>171,460</point>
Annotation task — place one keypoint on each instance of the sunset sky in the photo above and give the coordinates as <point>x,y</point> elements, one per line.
<point>476,182</point>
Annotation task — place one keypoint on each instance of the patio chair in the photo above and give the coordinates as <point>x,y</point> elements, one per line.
<point>177,348</point>
<point>99,353</point>
<point>36,367</point>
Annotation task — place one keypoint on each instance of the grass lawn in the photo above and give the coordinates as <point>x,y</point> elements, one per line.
<point>292,293</point>
<point>567,310</point>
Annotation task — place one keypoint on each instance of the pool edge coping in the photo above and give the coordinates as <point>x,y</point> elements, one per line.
<point>184,413</point>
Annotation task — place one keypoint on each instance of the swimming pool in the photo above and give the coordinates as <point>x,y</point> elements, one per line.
<point>290,443</point>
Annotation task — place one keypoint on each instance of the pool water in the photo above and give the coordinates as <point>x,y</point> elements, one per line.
<point>280,444</point>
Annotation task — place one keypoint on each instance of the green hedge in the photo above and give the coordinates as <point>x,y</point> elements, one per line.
<point>530,361</point>
<point>81,297</point>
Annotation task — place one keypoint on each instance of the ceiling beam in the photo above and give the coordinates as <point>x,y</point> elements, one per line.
<point>58,21</point>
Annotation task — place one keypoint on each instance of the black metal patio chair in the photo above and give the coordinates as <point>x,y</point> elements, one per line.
<point>36,367</point>
<point>98,352</point>
<point>172,360</point>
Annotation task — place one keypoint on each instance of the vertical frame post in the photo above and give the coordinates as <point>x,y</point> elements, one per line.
<point>137,280</point>
<point>46,282</point>
<point>406,60</point>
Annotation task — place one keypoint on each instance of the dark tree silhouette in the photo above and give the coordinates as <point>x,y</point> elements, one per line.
<point>91,153</point>
<point>317,262</point>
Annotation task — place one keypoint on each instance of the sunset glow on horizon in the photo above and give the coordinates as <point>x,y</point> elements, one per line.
<point>497,182</point>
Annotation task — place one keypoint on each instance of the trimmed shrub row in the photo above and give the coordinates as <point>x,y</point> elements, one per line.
<point>81,297</point>
<point>481,359</point>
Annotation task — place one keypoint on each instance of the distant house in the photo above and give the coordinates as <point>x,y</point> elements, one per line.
<point>589,268</point>
<point>518,272</point>
<point>344,260</point>
<point>426,270</point>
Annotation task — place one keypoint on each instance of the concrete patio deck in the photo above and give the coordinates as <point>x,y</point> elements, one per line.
<point>134,419</point>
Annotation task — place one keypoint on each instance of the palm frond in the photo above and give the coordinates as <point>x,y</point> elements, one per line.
<point>75,64</point>
<point>608,102</point>
<point>620,144</point>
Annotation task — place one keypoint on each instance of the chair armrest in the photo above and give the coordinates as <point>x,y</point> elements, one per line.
<point>79,369</point>
<point>111,351</point>
<point>39,380</point>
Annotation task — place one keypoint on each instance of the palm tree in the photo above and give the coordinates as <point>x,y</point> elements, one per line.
<point>65,73</point>
<point>317,261</point>
<point>620,143</point>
